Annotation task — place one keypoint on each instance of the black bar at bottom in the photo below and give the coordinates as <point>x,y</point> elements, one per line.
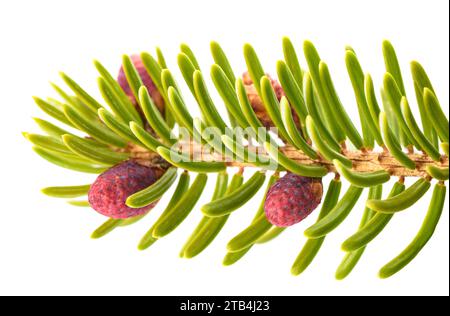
<point>218,305</point>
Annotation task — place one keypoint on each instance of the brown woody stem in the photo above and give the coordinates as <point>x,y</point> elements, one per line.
<point>363,161</point>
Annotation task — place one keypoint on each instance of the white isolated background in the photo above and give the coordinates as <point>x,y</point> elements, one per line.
<point>45,247</point>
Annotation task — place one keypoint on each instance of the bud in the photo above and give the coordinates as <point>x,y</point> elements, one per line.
<point>146,80</point>
<point>257,103</point>
<point>292,198</point>
<point>111,189</point>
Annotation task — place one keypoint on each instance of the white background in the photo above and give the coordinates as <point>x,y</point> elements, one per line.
<point>44,243</point>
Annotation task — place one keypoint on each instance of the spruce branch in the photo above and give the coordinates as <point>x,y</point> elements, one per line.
<point>133,128</point>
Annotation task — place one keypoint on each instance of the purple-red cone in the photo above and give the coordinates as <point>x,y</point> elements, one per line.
<point>111,189</point>
<point>146,80</point>
<point>291,199</point>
